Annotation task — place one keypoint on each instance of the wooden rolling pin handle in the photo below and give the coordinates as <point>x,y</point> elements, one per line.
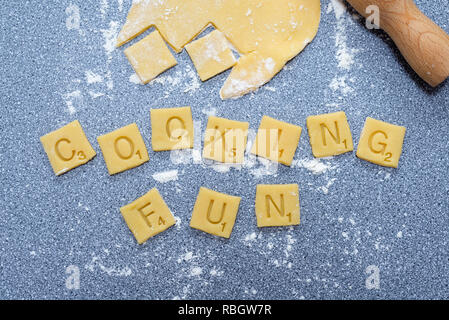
<point>423,44</point>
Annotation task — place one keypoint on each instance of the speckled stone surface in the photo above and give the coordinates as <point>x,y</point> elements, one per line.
<point>353,215</point>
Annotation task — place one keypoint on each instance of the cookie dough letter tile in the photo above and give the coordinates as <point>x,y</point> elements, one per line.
<point>329,134</point>
<point>225,140</point>
<point>150,57</point>
<point>215,212</point>
<point>276,140</point>
<point>123,149</point>
<point>147,216</point>
<point>171,128</point>
<point>211,55</point>
<point>381,143</point>
<point>67,147</point>
<point>277,205</point>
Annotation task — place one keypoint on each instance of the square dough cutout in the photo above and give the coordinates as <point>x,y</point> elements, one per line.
<point>172,128</point>
<point>277,205</point>
<point>381,143</point>
<point>211,55</point>
<point>150,57</point>
<point>123,149</point>
<point>215,212</point>
<point>67,147</point>
<point>225,140</point>
<point>329,134</point>
<point>276,140</point>
<point>147,216</point>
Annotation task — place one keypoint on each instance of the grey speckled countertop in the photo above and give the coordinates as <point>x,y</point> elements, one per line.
<point>354,214</point>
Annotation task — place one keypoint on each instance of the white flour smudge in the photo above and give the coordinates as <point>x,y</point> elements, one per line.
<point>341,84</point>
<point>344,55</point>
<point>325,189</point>
<point>120,5</point>
<point>196,271</point>
<point>95,95</point>
<point>71,98</point>
<point>92,77</point>
<point>166,176</point>
<point>111,271</point>
<point>134,78</point>
<point>103,8</point>
<point>315,166</point>
<point>110,36</point>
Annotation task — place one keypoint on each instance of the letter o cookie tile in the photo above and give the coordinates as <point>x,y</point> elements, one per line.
<point>123,149</point>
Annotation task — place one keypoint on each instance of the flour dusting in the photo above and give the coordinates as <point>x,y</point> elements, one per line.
<point>315,166</point>
<point>92,77</point>
<point>72,98</point>
<point>166,176</point>
<point>134,78</point>
<point>344,55</point>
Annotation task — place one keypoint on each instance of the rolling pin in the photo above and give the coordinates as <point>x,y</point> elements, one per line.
<point>423,44</point>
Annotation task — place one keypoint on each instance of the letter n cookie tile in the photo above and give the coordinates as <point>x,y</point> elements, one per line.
<point>225,140</point>
<point>171,128</point>
<point>123,149</point>
<point>215,212</point>
<point>329,134</point>
<point>277,205</point>
<point>67,147</point>
<point>147,216</point>
<point>276,140</point>
<point>381,143</point>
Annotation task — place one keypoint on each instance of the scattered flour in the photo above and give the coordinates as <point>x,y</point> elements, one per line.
<point>104,6</point>
<point>71,98</point>
<point>185,80</point>
<point>95,95</point>
<point>186,257</point>
<point>111,271</point>
<point>315,166</point>
<point>325,189</point>
<point>166,176</point>
<point>134,78</point>
<point>344,55</point>
<point>210,112</point>
<point>110,36</point>
<point>196,271</point>
<point>340,83</point>
<point>92,77</point>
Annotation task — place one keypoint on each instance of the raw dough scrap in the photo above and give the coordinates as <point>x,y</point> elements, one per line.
<point>147,216</point>
<point>225,140</point>
<point>123,149</point>
<point>381,143</point>
<point>150,57</point>
<point>215,212</point>
<point>171,128</point>
<point>277,205</point>
<point>267,33</point>
<point>67,147</point>
<point>329,134</point>
<point>276,140</point>
<point>211,55</point>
